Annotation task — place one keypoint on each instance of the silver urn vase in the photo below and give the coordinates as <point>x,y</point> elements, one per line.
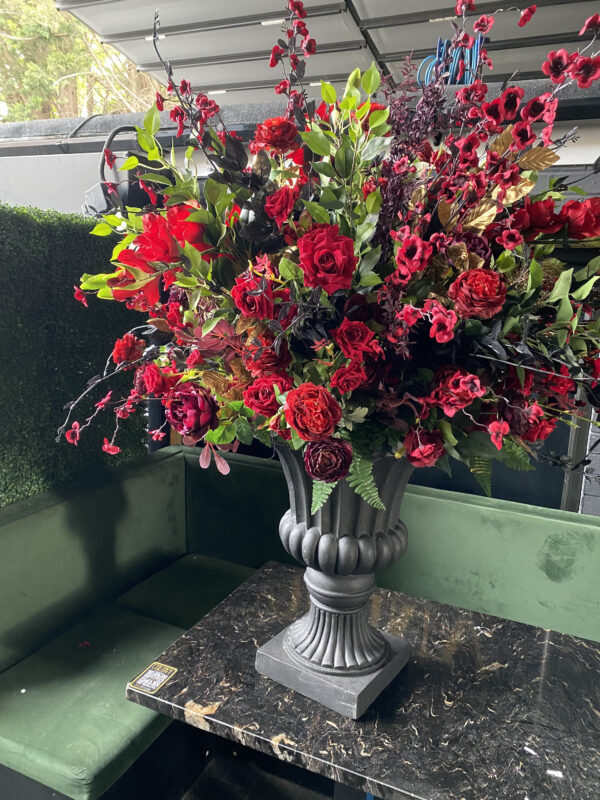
<point>333,654</point>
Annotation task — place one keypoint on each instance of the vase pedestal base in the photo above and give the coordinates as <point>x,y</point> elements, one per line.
<point>349,695</point>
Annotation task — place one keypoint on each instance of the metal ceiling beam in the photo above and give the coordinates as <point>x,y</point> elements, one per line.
<point>368,38</point>
<point>219,24</point>
<point>235,58</point>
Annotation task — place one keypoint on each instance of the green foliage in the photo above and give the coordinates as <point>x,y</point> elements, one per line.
<point>482,469</point>
<point>51,345</point>
<point>514,457</point>
<point>320,494</point>
<point>362,481</point>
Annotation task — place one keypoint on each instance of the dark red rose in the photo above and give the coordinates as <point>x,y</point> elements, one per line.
<point>312,412</point>
<point>260,395</point>
<point>556,65</point>
<point>280,204</point>
<point>278,134</point>
<point>478,293</point>
<point>424,448</point>
<point>540,430</point>
<point>158,382</point>
<point>253,296</point>
<point>129,348</point>
<point>327,258</point>
<point>261,358</point>
<point>191,412</point>
<point>347,379</point>
<point>328,460</point>
<point>356,340</point>
<point>357,307</point>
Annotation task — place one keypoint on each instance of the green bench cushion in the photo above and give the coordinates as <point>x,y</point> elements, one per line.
<point>183,592</point>
<point>71,728</point>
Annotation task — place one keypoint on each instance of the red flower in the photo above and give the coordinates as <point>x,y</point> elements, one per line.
<point>467,150</point>
<point>191,412</point>
<point>282,87</point>
<point>185,87</point>
<point>464,5</point>
<point>280,204</point>
<point>442,319</point>
<point>129,348</point>
<point>109,157</point>
<point>526,15</point>
<point>424,448</point>
<point>484,24</point>
<point>79,295</point>
<point>591,24</point>
<point>455,389</point>
<point>276,54</point>
<point>312,412</point>
<point>497,430</point>
<point>556,65</point>
<point>328,460</point>
<point>478,293</point>
<point>278,134</point>
<point>582,218</point>
<point>347,379</point>
<point>413,256</point>
<point>276,426</point>
<point>160,101</point>
<point>158,382</point>
<point>510,101</point>
<point>510,239</point>
<point>540,429</point>
<point>260,395</point>
<point>177,114</point>
<point>182,230</point>
<point>523,135</point>
<point>156,243</point>
<point>110,448</point>
<point>261,358</point>
<point>585,70</point>
<point>297,7</point>
<point>253,297</point>
<point>541,216</point>
<point>355,340</point>
<point>327,258</point>
<point>535,108</point>
<point>309,46</point>
<point>72,435</point>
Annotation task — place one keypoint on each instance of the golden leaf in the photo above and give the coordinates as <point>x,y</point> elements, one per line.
<point>515,193</point>
<point>159,324</point>
<point>239,370</point>
<point>418,196</point>
<point>538,158</point>
<point>475,261</point>
<point>243,323</point>
<point>214,381</point>
<point>480,217</point>
<point>459,255</point>
<point>503,142</point>
<point>445,213</point>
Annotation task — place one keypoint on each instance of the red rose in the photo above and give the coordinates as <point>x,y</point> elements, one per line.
<point>424,448</point>
<point>328,460</point>
<point>312,412</point>
<point>158,382</point>
<point>280,204</point>
<point>355,340</point>
<point>192,412</point>
<point>278,134</point>
<point>184,231</point>
<point>129,348</point>
<point>347,379</point>
<point>253,297</point>
<point>542,217</point>
<point>478,293</point>
<point>540,430</point>
<point>260,395</point>
<point>261,358</point>
<point>581,218</point>
<point>327,258</point>
<point>156,242</point>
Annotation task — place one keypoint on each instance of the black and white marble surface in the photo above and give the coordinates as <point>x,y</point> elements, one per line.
<point>486,709</point>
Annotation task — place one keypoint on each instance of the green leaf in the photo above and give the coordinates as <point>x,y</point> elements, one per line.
<point>330,200</point>
<point>482,469</point>
<point>213,190</point>
<point>320,494</point>
<point>360,478</point>
<point>317,141</point>
<point>536,275</point>
<point>328,92</point>
<point>129,163</point>
<point>378,117</point>
<point>505,262</point>
<point>370,279</point>
<point>224,434</point>
<point>93,283</point>
<point>317,212</point>
<point>564,312</point>
<point>243,430</point>
<point>446,429</point>
<point>371,80</point>
<point>578,190</point>
<point>156,177</point>
<point>373,202</point>
<point>514,457</point>
<point>369,260</point>
<point>101,229</point>
<point>364,232</point>
<point>374,147</point>
<point>562,286</point>
<point>583,291</point>
<point>344,158</point>
<point>324,168</point>
<point>352,84</point>
<point>592,268</point>
<point>290,271</point>
<point>296,442</point>
<point>152,121</point>
<point>209,325</point>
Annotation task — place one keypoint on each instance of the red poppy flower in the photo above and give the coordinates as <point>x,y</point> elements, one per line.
<point>585,70</point>
<point>591,25</point>
<point>556,65</point>
<point>526,15</point>
<point>484,24</point>
<point>497,430</point>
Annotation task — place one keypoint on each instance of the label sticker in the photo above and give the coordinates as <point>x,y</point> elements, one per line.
<point>153,677</point>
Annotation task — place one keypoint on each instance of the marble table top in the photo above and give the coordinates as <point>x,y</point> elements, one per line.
<point>486,709</point>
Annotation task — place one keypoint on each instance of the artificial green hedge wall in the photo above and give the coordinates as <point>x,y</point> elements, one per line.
<point>51,345</point>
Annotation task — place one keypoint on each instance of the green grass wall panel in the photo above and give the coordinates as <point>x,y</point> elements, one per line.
<point>64,553</point>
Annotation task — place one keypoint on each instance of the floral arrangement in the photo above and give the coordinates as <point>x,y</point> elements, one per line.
<point>382,278</point>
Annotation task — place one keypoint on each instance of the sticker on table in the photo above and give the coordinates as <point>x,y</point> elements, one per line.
<point>153,677</point>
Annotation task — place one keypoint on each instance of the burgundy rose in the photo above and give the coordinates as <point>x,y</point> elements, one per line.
<point>191,412</point>
<point>356,340</point>
<point>253,296</point>
<point>327,258</point>
<point>424,448</point>
<point>312,412</point>
<point>260,395</point>
<point>328,460</point>
<point>261,358</point>
<point>280,204</point>
<point>278,134</point>
<point>347,379</point>
<point>478,293</point>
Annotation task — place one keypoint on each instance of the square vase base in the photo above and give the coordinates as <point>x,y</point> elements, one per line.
<point>349,696</point>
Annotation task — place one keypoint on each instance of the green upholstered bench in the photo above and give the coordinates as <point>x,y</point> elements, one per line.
<point>93,584</point>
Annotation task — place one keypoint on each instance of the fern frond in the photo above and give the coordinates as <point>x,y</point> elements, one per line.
<point>361,480</point>
<point>514,457</point>
<point>320,494</point>
<point>482,469</point>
